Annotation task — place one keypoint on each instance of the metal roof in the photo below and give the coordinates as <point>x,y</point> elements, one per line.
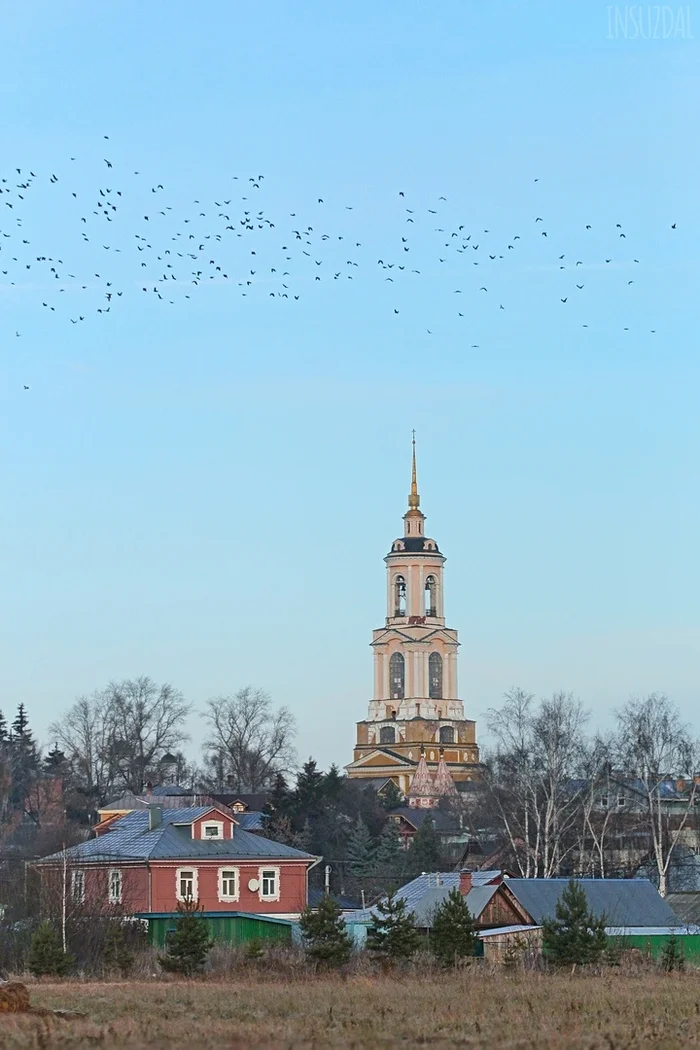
<point>623,902</point>
<point>481,934</point>
<point>685,905</point>
<point>251,821</point>
<point>131,839</point>
<point>424,893</point>
<point>652,931</point>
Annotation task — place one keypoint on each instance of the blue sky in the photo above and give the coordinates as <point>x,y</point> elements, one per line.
<point>204,492</point>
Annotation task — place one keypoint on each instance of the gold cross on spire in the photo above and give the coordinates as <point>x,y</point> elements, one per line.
<point>414,498</point>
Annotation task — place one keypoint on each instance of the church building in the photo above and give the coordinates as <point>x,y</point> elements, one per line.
<point>415,732</point>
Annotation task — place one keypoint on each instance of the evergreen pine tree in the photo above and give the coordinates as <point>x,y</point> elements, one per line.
<point>333,784</point>
<point>189,943</point>
<point>575,935</point>
<point>390,796</point>
<point>672,955</point>
<point>24,758</point>
<point>453,935</point>
<point>116,953</point>
<point>393,935</point>
<point>424,853</point>
<point>390,859</point>
<point>309,791</point>
<point>361,854</point>
<point>46,956</point>
<point>54,761</point>
<point>4,737</point>
<point>326,940</point>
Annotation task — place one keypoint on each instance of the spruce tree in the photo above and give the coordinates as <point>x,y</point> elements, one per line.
<point>424,853</point>
<point>390,796</point>
<point>24,757</point>
<point>361,854</point>
<point>326,940</point>
<point>116,953</point>
<point>672,955</point>
<point>393,935</point>
<point>575,936</point>
<point>453,935</point>
<point>308,796</point>
<point>390,861</point>
<point>188,946</point>
<point>46,956</point>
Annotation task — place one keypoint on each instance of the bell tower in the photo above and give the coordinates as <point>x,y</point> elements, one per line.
<point>415,703</point>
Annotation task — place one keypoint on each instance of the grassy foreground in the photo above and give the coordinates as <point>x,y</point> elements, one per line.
<point>469,1010</point>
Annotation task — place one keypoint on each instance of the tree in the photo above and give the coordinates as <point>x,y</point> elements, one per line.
<point>655,748</point>
<point>390,796</point>
<point>453,934</point>
<point>672,955</point>
<point>392,935</point>
<point>249,742</point>
<point>390,858</point>
<point>326,940</point>
<point>188,946</point>
<point>424,852</point>
<point>361,854</point>
<point>534,777</point>
<point>117,953</point>
<point>575,936</point>
<point>46,956</point>
<point>84,734</point>
<point>25,761</point>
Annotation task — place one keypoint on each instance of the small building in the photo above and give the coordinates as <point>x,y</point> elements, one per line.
<point>151,860</point>
<point>228,927</point>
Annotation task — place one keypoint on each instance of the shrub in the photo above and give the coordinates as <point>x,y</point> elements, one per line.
<point>326,940</point>
<point>393,935</point>
<point>453,936</point>
<point>117,953</point>
<point>575,936</point>
<point>188,946</point>
<point>46,955</point>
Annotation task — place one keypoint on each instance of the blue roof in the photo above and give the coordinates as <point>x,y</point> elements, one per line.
<point>623,902</point>
<point>251,821</point>
<point>426,891</point>
<point>130,838</point>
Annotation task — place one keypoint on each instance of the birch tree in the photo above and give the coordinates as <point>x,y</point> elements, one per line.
<point>249,742</point>
<point>655,749</point>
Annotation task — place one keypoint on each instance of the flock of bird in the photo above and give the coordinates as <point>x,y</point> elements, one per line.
<point>127,237</point>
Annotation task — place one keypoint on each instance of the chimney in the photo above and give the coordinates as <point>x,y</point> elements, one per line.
<point>465,881</point>
<point>155,817</point>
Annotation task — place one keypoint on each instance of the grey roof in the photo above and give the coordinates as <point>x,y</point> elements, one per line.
<point>623,902</point>
<point>251,821</point>
<point>130,839</point>
<point>652,931</point>
<point>685,905</point>
<point>424,893</point>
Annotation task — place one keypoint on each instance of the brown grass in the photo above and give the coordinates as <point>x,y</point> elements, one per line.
<point>474,1010</point>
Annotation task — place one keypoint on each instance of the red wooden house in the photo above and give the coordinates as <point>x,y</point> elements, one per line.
<point>150,860</point>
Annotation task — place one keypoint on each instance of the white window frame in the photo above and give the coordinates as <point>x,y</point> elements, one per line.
<point>275,896</point>
<point>115,898</point>
<point>77,876</point>
<point>236,881</point>
<point>179,872</point>
<point>218,824</point>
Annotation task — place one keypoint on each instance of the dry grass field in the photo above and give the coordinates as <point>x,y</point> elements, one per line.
<point>469,1010</point>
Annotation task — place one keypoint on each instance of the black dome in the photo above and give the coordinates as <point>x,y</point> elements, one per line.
<point>413,545</point>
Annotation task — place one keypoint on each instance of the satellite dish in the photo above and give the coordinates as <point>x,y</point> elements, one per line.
<point>253,885</point>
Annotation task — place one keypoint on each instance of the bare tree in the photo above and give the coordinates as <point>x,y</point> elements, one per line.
<point>534,777</point>
<point>83,734</point>
<point>113,739</point>
<point>250,741</point>
<point>144,720</point>
<point>656,751</point>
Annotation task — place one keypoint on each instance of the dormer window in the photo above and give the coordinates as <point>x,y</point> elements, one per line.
<point>213,829</point>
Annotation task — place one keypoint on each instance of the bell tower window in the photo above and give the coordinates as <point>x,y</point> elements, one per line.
<point>435,673</point>
<point>431,596</point>
<point>387,735</point>
<point>399,597</point>
<point>397,676</point>
<point>447,735</point>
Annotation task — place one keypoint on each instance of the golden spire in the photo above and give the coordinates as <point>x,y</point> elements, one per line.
<point>414,498</point>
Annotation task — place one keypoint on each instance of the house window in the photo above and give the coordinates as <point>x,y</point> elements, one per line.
<point>213,829</point>
<point>621,800</point>
<point>186,884</point>
<point>228,884</point>
<point>115,887</point>
<point>78,886</point>
<point>603,801</point>
<point>269,884</point>
<point>387,735</point>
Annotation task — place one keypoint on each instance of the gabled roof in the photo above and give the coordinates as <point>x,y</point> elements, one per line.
<point>623,902</point>
<point>685,905</point>
<point>130,839</point>
<point>427,890</point>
